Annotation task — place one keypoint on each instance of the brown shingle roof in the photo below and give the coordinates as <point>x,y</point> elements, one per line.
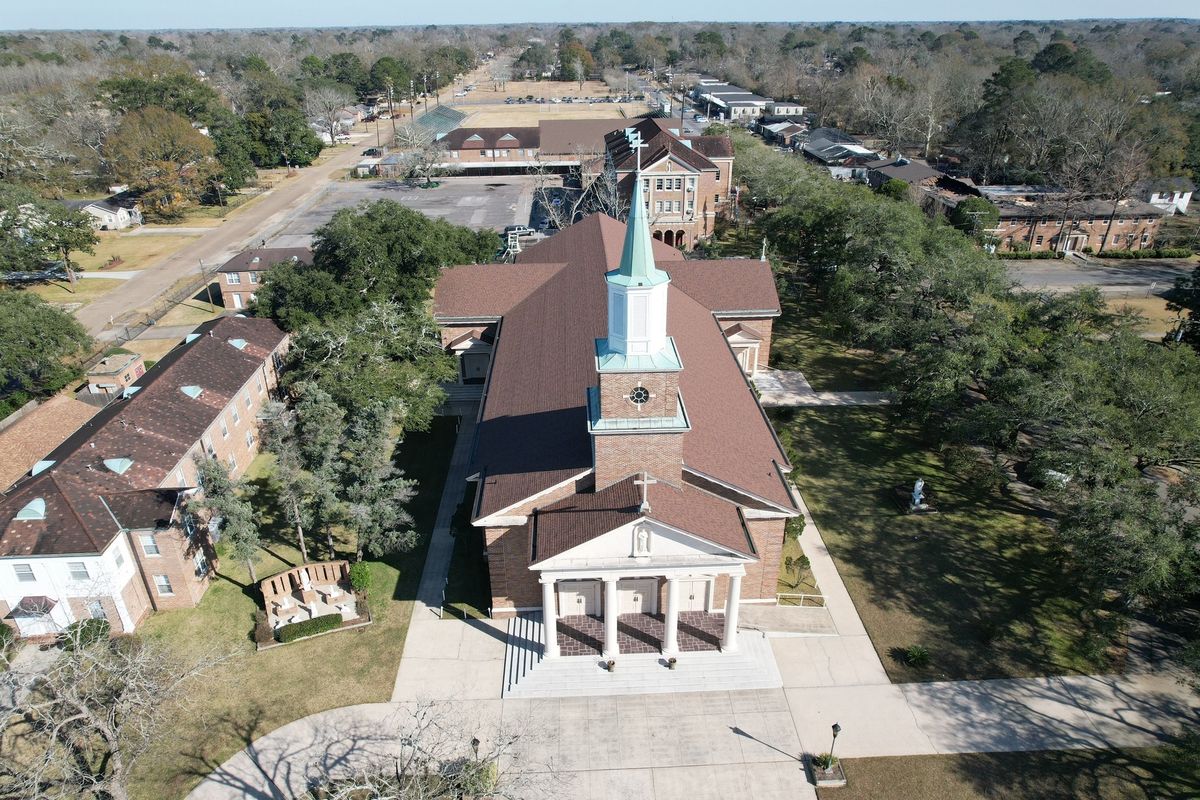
<point>481,138</point>
<point>533,429</point>
<point>582,517</point>
<point>719,146</point>
<point>267,257</point>
<point>23,443</point>
<point>568,136</point>
<point>154,429</point>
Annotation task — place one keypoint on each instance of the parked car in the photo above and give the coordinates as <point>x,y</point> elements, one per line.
<point>519,230</point>
<point>699,118</point>
<point>460,94</point>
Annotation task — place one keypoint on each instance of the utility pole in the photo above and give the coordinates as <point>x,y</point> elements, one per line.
<point>425,94</point>
<point>437,94</point>
<point>412,105</point>
<point>391,110</point>
<point>682,103</point>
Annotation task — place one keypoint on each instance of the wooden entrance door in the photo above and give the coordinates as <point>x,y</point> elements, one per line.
<point>693,595</point>
<point>578,598</point>
<point>637,596</point>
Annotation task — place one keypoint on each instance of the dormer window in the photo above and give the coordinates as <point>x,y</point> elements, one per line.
<point>118,465</point>
<point>191,391</point>
<point>34,509</point>
<point>40,467</point>
<point>238,344</point>
<point>191,337</point>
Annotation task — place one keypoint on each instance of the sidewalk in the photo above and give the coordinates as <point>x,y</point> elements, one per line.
<point>789,388</point>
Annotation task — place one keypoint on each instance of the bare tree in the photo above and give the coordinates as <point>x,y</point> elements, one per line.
<point>76,729</point>
<point>594,189</point>
<point>1121,171</point>
<point>438,752</point>
<point>501,75</point>
<point>322,104</point>
<point>886,105</point>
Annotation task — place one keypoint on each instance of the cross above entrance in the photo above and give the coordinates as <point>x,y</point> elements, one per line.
<point>645,482</point>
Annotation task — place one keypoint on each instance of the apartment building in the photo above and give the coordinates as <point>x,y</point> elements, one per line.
<point>240,276</point>
<point>99,527</point>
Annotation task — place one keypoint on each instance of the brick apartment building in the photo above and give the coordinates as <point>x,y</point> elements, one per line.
<point>687,179</point>
<point>623,466</point>
<point>1038,219</point>
<point>240,276</point>
<point>98,528</point>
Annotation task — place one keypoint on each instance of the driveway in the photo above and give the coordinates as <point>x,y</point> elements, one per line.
<point>1154,276</point>
<point>477,202</point>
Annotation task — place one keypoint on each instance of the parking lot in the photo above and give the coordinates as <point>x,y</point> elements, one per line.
<point>476,202</point>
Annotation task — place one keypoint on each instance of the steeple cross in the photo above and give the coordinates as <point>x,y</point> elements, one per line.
<point>638,148</point>
<point>645,482</point>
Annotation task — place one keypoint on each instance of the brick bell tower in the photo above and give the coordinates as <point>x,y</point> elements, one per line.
<point>636,413</point>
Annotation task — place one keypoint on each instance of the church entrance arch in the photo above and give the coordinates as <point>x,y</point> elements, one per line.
<point>680,239</point>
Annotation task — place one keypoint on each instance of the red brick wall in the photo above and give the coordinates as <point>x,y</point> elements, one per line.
<point>620,455</point>
<point>615,389</point>
<point>137,601</point>
<point>514,585</point>
<point>1012,232</point>
<point>761,326</point>
<point>762,577</point>
<point>174,561</point>
<point>79,611</point>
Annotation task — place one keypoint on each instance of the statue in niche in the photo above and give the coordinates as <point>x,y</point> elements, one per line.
<point>641,541</point>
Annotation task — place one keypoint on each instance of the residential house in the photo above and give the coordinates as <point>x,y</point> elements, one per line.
<point>629,487</point>
<point>911,171</point>
<point>784,133</point>
<point>844,156</point>
<point>1045,218</point>
<point>99,526</point>
<point>110,214</point>
<point>241,275</point>
<point>727,101</point>
<point>1172,195</point>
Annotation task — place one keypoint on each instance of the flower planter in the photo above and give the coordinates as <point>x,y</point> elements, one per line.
<point>671,663</point>
<point>611,666</point>
<point>826,778</point>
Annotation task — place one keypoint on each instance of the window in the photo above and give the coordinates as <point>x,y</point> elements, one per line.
<point>1116,239</point>
<point>254,277</point>
<point>658,183</point>
<point>260,387</point>
<point>237,418</point>
<point>232,278</point>
<point>718,176</point>
<point>249,439</point>
<point>232,462</point>
<point>179,477</point>
<point>486,153</point>
<point>120,559</point>
<point>1038,241</point>
<point>224,429</point>
<point>201,565</point>
<point>717,199</point>
<point>163,584</point>
<point>658,206</point>
<point>95,610</point>
<point>454,154</point>
<point>678,206</point>
<point>246,398</point>
<point>1145,239</point>
<point>207,444</point>
<point>149,545</point>
<point>78,570</point>
<point>645,184</point>
<point>679,183</point>
<point>24,573</point>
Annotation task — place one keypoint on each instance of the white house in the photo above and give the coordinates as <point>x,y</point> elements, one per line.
<point>109,216</point>
<point>1170,194</point>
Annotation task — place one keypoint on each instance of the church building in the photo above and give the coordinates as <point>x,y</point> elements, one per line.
<point>630,488</point>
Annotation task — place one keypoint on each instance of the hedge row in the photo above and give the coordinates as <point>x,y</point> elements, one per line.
<point>1031,254</point>
<point>1164,252</point>
<point>309,627</point>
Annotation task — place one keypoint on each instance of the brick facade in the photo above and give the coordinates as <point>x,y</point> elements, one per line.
<point>137,600</point>
<point>514,585</point>
<point>762,326</point>
<point>620,455</point>
<point>1049,234</point>
<point>175,561</point>
<point>762,578</point>
<point>615,388</point>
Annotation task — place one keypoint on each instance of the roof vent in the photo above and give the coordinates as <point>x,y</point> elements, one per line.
<point>41,466</point>
<point>118,465</point>
<point>34,509</point>
<point>295,259</point>
<point>191,337</point>
<point>255,260</point>
<point>239,344</point>
<point>191,391</point>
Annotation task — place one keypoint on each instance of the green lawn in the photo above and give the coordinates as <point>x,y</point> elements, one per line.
<point>798,343</point>
<point>253,693</point>
<point>1143,774</point>
<point>982,584</point>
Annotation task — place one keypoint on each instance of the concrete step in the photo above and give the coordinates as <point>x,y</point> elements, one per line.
<point>524,648</point>
<point>751,667</point>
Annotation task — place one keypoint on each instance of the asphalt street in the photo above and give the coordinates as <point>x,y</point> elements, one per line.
<point>1152,275</point>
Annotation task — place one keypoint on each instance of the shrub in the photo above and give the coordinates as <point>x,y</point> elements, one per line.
<point>262,628</point>
<point>84,633</point>
<point>916,655</point>
<point>825,761</point>
<point>309,627</point>
<point>7,637</point>
<point>360,577</point>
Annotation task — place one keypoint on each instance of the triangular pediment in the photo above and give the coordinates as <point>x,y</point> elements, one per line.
<point>642,542</point>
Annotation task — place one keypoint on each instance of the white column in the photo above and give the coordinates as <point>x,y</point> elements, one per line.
<point>729,642</point>
<point>611,648</point>
<point>549,620</point>
<point>670,644</point>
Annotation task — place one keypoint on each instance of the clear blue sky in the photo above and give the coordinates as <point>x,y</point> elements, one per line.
<point>158,14</point>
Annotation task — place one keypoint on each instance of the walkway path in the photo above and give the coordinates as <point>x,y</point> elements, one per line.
<point>778,387</point>
<point>710,744</point>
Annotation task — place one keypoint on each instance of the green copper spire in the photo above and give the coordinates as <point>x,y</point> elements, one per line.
<point>637,257</point>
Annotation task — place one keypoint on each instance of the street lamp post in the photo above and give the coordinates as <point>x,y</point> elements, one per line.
<point>836,730</point>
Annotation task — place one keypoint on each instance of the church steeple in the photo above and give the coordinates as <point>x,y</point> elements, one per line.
<point>637,299</point>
